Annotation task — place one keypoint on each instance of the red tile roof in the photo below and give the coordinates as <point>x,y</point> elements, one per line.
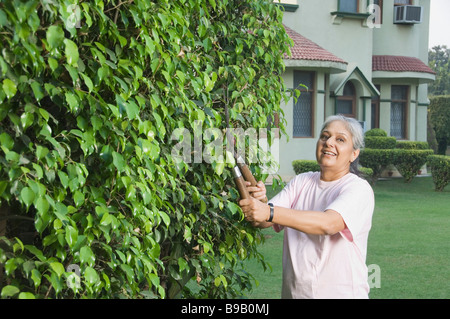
<point>399,64</point>
<point>305,49</point>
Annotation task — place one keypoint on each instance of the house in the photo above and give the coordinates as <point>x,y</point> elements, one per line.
<point>362,58</point>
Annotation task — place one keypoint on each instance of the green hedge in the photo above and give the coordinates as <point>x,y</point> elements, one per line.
<point>380,142</point>
<point>376,132</point>
<point>377,160</point>
<point>413,145</point>
<point>303,166</point>
<point>440,170</point>
<point>408,162</point>
<point>439,111</point>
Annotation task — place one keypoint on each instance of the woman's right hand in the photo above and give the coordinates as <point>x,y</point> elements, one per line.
<point>258,192</point>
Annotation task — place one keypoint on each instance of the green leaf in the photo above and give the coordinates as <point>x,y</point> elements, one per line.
<point>91,277</point>
<point>106,219</point>
<point>53,64</point>
<point>55,36</point>
<point>87,256</point>
<point>72,101</point>
<point>26,295</point>
<point>63,178</point>
<point>36,277</point>
<point>165,218</point>
<point>27,196</point>
<point>9,87</point>
<point>209,84</point>
<point>78,198</point>
<point>71,52</point>
<point>6,141</point>
<point>58,268</point>
<point>88,82</point>
<point>118,161</point>
<point>37,90</point>
<point>42,205</point>
<point>9,291</point>
<point>71,236</point>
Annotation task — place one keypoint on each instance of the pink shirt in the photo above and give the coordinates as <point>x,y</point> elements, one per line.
<point>324,266</point>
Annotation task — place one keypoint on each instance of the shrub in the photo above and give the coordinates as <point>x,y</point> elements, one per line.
<point>366,173</point>
<point>439,110</point>
<point>413,145</point>
<point>303,166</point>
<point>89,94</point>
<point>440,170</point>
<point>408,162</point>
<point>380,142</point>
<point>377,160</point>
<point>376,132</point>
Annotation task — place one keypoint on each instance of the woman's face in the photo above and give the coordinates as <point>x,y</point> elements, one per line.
<point>334,149</point>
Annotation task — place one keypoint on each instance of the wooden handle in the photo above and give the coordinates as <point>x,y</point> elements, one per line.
<point>248,176</point>
<point>240,183</point>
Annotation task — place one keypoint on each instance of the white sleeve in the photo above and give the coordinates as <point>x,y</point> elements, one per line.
<point>355,204</point>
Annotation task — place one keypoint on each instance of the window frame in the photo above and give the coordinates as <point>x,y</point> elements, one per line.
<point>351,98</point>
<point>380,4</point>
<point>375,108</point>
<point>357,7</point>
<point>405,104</point>
<point>403,4</point>
<point>311,90</point>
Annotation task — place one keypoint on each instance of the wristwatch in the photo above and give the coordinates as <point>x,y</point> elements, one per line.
<point>271,212</point>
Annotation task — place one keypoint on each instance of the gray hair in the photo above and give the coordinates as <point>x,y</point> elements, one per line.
<point>355,128</point>
<point>352,125</point>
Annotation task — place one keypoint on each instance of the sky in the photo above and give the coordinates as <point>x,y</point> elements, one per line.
<point>439,23</point>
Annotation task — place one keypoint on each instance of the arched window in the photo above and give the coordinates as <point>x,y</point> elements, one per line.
<point>346,104</point>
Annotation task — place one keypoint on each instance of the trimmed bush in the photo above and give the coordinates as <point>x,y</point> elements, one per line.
<point>408,162</point>
<point>440,170</point>
<point>413,145</point>
<point>303,166</point>
<point>377,160</point>
<point>439,110</point>
<point>366,173</point>
<point>380,142</point>
<point>376,132</point>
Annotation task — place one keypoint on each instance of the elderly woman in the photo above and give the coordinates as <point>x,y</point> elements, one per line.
<point>326,217</point>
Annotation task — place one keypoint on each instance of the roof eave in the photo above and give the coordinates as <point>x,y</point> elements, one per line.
<point>419,77</point>
<point>326,66</point>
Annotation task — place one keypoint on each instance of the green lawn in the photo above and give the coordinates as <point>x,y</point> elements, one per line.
<point>409,241</point>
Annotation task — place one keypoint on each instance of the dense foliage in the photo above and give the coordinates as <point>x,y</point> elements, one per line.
<point>439,61</point>
<point>378,153</point>
<point>409,161</point>
<point>303,166</point>
<point>439,112</point>
<point>93,204</point>
<point>440,170</point>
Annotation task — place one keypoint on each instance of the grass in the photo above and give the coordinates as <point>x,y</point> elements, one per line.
<point>409,242</point>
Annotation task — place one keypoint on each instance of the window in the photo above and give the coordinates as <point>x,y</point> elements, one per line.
<point>304,108</point>
<point>399,106</point>
<point>402,2</point>
<point>375,118</point>
<point>379,11</point>
<point>346,103</point>
<point>349,6</point>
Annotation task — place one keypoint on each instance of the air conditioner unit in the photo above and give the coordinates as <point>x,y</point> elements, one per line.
<point>408,14</point>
